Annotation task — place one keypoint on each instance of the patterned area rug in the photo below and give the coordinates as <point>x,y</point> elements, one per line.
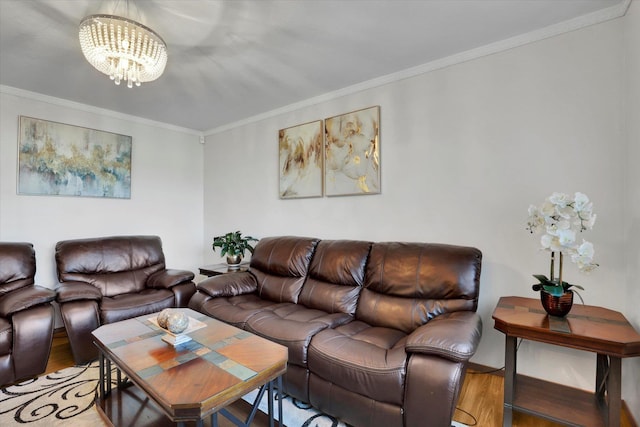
<point>65,398</point>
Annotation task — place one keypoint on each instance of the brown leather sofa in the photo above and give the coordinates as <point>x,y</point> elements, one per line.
<point>26,315</point>
<point>379,334</point>
<point>108,279</point>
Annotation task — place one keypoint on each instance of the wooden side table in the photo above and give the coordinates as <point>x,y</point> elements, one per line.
<point>604,332</point>
<point>217,269</point>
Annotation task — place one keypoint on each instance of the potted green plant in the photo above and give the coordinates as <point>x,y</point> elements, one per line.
<point>234,246</point>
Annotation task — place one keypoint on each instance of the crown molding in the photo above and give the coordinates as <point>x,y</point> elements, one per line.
<point>583,21</point>
<point>593,18</point>
<point>35,96</point>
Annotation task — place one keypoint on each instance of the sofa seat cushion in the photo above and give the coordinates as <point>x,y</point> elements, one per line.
<point>5,336</point>
<point>125,306</point>
<point>363,359</point>
<point>236,310</point>
<point>293,325</point>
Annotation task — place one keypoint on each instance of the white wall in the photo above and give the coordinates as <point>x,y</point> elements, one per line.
<point>632,224</point>
<point>464,151</point>
<point>166,187</point>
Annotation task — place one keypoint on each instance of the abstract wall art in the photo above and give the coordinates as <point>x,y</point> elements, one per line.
<point>300,149</point>
<point>65,160</point>
<point>352,153</point>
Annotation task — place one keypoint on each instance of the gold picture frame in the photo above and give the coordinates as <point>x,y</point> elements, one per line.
<point>57,159</point>
<point>352,153</point>
<point>301,160</point>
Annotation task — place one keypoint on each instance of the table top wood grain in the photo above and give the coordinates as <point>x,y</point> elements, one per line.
<point>190,381</point>
<point>586,327</point>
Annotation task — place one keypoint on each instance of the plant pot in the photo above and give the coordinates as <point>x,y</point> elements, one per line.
<point>557,306</point>
<point>234,261</point>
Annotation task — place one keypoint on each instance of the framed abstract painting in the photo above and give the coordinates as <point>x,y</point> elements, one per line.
<point>65,160</point>
<point>352,153</point>
<point>300,152</point>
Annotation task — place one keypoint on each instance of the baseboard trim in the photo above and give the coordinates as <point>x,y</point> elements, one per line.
<point>484,369</point>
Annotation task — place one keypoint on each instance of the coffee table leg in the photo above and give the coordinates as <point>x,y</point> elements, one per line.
<point>101,380</point>
<point>280,397</point>
<point>270,402</point>
<point>107,371</point>
<point>277,384</point>
<point>104,376</point>
<point>267,387</point>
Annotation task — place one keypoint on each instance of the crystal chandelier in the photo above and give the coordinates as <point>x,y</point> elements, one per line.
<point>123,49</point>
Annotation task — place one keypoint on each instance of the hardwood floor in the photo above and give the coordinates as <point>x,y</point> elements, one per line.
<point>60,356</point>
<point>480,402</point>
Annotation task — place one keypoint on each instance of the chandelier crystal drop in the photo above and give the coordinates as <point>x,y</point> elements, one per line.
<point>123,49</point>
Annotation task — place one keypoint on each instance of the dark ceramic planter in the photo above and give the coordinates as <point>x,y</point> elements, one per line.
<point>557,306</point>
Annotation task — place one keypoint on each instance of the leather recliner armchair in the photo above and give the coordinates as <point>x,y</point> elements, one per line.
<point>108,279</point>
<point>26,315</point>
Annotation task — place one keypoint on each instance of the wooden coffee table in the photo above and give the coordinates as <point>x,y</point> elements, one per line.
<point>159,384</point>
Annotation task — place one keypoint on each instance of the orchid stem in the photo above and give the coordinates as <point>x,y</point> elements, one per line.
<point>560,271</point>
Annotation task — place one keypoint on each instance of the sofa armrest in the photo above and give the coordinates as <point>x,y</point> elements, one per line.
<point>228,285</point>
<point>25,298</point>
<point>76,291</point>
<point>165,279</point>
<point>454,336</point>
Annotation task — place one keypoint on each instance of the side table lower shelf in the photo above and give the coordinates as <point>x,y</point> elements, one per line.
<point>556,402</point>
<point>130,406</point>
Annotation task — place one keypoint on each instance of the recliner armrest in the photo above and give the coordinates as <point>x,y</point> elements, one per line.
<point>24,298</point>
<point>228,285</point>
<point>168,278</point>
<point>75,291</point>
<point>454,336</point>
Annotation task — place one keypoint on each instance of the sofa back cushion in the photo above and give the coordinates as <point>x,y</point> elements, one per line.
<point>17,266</point>
<point>336,276</point>
<point>280,265</point>
<point>407,284</point>
<point>115,265</point>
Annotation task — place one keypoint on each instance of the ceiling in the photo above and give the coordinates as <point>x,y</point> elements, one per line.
<point>234,59</point>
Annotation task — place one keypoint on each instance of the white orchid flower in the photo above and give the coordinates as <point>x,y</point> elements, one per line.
<point>581,201</point>
<point>559,219</point>
<point>560,199</point>
<point>566,238</point>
